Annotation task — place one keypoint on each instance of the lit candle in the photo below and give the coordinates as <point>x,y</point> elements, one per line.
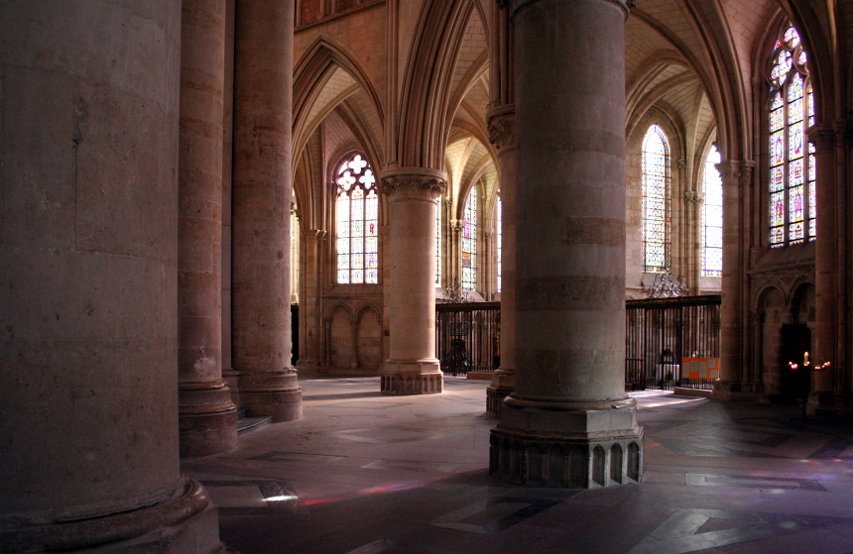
<point>806,359</point>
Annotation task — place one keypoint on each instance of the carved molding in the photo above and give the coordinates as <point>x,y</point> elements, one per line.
<point>736,172</point>
<point>823,136</point>
<point>517,5</point>
<point>313,235</point>
<point>413,186</point>
<point>694,197</point>
<point>501,123</point>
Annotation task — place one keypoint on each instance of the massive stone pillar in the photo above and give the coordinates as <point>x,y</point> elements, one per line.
<point>263,91</point>
<point>208,418</point>
<point>412,367</point>
<point>88,262</point>
<point>502,135</point>
<point>830,262</point>
<point>569,423</point>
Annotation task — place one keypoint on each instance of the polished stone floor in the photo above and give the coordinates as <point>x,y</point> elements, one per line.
<point>365,473</point>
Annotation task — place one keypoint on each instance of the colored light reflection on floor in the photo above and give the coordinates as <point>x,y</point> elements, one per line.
<point>391,487</point>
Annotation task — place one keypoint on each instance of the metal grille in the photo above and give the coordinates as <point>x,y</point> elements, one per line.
<point>659,332</point>
<point>467,337</point>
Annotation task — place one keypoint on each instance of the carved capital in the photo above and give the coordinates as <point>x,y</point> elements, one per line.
<point>516,5</point>
<point>694,197</point>
<point>823,136</point>
<point>736,172</point>
<point>423,184</point>
<point>313,235</point>
<point>501,123</point>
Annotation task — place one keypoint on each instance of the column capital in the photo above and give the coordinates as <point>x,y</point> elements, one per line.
<point>517,5</point>
<point>736,172</point>
<point>823,135</point>
<point>413,183</point>
<point>501,124</point>
<point>694,197</point>
<point>313,235</point>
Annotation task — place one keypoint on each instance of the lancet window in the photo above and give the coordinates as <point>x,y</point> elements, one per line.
<point>469,242</point>
<point>712,217</point>
<point>793,205</point>
<point>656,211</point>
<point>357,222</point>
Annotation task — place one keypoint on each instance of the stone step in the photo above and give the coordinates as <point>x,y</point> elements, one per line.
<point>246,425</point>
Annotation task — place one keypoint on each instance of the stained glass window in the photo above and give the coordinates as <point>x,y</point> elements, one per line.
<point>712,217</point>
<point>469,242</point>
<point>357,222</point>
<point>792,205</point>
<point>656,216</point>
<point>499,225</point>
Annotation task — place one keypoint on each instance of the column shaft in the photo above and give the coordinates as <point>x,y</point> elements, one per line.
<point>502,135</point>
<point>569,422</point>
<point>208,418</point>
<point>412,367</point>
<point>736,177</point>
<point>88,261</point>
<point>309,305</point>
<point>263,90</point>
<point>830,260</point>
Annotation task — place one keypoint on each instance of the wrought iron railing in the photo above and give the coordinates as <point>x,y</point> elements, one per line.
<point>659,333</point>
<point>662,331</point>
<point>467,337</point>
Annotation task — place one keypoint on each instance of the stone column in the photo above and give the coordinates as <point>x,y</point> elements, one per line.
<point>569,423</point>
<point>736,177</point>
<point>312,239</point>
<point>88,262</point>
<point>829,266</point>
<point>412,367</point>
<point>263,90</point>
<point>230,376</point>
<point>502,135</point>
<point>208,418</point>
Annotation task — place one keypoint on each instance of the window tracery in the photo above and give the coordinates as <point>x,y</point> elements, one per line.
<point>793,205</point>
<point>357,222</point>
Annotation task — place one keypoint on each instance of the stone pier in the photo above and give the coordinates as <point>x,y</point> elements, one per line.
<point>412,367</point>
<point>263,91</point>
<point>502,135</point>
<point>89,266</point>
<point>208,418</point>
<point>569,423</point>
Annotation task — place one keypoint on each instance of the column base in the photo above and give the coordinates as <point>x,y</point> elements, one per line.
<point>232,380</point>
<point>829,403</point>
<point>728,391</point>
<point>597,445</point>
<point>275,394</point>
<point>411,377</point>
<point>503,383</point>
<point>207,419</point>
<point>187,522</point>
